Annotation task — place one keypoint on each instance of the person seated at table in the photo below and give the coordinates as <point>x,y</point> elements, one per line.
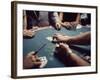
<point>34,21</point>
<point>68,20</point>
<point>30,19</point>
<point>43,19</point>
<point>31,60</point>
<point>54,20</point>
<point>81,39</point>
<point>65,54</point>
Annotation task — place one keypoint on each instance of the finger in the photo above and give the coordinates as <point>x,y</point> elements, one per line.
<point>62,45</point>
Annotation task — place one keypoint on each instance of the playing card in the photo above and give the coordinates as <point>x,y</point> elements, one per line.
<point>43,61</point>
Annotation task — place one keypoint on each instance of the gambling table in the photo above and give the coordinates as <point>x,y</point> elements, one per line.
<point>33,44</point>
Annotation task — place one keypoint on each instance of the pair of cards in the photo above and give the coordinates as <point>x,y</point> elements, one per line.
<point>43,61</point>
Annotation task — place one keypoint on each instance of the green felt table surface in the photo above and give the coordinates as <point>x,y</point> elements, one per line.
<point>36,42</point>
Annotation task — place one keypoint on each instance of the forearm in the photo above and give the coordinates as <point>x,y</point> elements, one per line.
<point>84,38</point>
<point>24,20</point>
<point>78,60</point>
<point>78,18</point>
<point>61,16</point>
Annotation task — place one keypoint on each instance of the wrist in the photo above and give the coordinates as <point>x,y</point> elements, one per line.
<point>69,54</point>
<point>70,40</point>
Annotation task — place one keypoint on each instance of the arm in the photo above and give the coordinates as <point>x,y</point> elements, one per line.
<point>26,32</point>
<point>56,20</point>
<point>70,58</point>
<point>65,23</point>
<point>84,38</point>
<point>24,20</point>
<point>77,60</point>
<point>78,18</point>
<point>77,21</point>
<point>61,16</point>
<point>31,60</point>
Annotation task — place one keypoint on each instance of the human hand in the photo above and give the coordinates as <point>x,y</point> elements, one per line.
<point>28,33</point>
<point>65,48</point>
<point>66,25</point>
<point>74,24</point>
<point>31,60</point>
<point>61,38</point>
<point>63,51</point>
<point>57,25</point>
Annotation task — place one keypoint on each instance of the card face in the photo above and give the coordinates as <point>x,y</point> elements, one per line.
<point>28,36</point>
<point>44,61</point>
